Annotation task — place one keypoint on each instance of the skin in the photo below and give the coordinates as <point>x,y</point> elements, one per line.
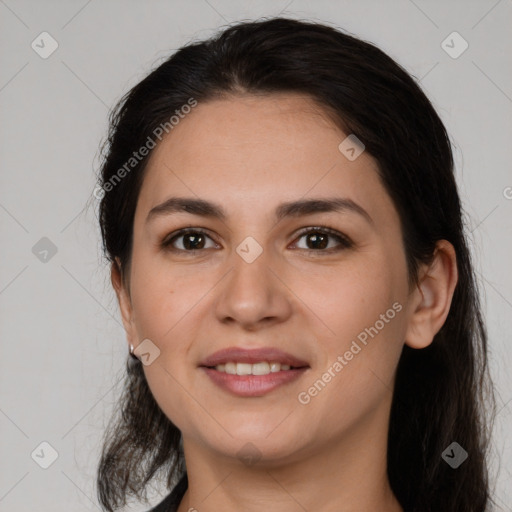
<point>250,154</point>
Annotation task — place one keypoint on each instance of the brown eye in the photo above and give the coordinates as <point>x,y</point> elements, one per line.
<point>188,240</point>
<point>324,240</point>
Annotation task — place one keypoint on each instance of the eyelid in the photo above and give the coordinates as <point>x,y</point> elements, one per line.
<point>167,241</point>
<point>344,240</point>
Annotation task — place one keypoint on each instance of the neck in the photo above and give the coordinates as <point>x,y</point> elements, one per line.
<point>348,474</point>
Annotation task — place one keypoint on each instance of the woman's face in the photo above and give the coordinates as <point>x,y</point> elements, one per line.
<point>255,280</point>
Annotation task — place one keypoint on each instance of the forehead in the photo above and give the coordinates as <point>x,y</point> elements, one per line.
<point>262,127</point>
<point>257,150</point>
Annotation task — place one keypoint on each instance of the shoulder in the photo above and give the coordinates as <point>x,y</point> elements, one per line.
<point>172,501</point>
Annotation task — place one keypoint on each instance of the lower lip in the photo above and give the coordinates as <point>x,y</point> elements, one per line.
<point>252,385</point>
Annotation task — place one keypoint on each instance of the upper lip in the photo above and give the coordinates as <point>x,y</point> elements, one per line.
<point>255,355</point>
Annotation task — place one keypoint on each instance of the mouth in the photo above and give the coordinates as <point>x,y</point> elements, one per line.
<point>260,368</point>
<point>252,372</point>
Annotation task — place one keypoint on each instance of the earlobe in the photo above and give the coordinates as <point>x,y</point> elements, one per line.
<point>432,298</point>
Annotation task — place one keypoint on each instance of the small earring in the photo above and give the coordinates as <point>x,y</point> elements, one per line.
<point>132,354</point>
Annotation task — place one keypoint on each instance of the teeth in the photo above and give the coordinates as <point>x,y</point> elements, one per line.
<point>229,368</point>
<point>275,367</point>
<point>262,368</point>
<point>243,369</point>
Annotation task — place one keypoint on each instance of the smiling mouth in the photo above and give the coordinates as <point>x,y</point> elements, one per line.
<point>253,372</point>
<point>260,368</point>
<point>245,384</point>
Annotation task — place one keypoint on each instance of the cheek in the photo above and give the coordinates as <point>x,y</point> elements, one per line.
<point>164,381</point>
<point>349,298</point>
<point>361,349</point>
<point>362,314</point>
<point>163,305</point>
<point>162,295</point>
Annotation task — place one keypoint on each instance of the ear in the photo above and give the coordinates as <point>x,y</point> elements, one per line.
<point>124,300</point>
<point>432,298</point>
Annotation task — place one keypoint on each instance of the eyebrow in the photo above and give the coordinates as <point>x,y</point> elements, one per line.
<point>299,208</point>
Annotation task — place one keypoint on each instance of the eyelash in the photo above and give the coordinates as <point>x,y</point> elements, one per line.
<point>344,241</point>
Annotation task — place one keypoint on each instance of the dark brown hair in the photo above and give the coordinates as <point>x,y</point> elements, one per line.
<point>441,391</point>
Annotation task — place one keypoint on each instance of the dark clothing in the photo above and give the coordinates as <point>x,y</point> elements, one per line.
<point>171,502</point>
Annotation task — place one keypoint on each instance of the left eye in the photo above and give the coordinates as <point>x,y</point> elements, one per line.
<point>318,238</point>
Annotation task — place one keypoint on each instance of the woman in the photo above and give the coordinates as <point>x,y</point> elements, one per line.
<point>287,247</point>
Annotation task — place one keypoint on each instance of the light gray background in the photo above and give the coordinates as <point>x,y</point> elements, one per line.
<point>62,345</point>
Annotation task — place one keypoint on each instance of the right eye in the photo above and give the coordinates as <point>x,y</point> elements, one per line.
<point>189,239</point>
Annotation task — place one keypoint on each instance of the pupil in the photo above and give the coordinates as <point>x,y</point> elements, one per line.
<point>196,241</point>
<point>315,238</point>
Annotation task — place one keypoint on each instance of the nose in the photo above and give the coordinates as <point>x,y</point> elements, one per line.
<point>253,294</point>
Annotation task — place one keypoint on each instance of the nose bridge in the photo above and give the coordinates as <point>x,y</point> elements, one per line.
<point>252,291</point>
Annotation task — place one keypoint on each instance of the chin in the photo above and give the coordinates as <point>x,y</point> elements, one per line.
<point>258,447</point>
